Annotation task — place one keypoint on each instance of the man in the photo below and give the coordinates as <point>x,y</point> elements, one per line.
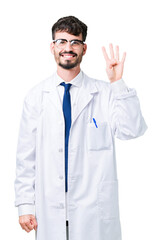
<point>66,167</point>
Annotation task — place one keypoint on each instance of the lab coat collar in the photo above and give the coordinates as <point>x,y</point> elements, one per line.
<point>77,81</point>
<point>81,80</point>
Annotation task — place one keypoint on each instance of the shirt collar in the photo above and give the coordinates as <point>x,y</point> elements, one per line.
<point>77,81</point>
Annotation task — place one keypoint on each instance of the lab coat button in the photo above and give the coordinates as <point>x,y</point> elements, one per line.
<point>61,177</point>
<point>60,150</point>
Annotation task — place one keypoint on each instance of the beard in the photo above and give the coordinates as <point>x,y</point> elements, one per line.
<point>68,64</point>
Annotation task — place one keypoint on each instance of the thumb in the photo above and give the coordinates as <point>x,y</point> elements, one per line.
<point>34,223</point>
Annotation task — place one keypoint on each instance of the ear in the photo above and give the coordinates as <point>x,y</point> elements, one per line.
<point>52,47</point>
<point>84,49</point>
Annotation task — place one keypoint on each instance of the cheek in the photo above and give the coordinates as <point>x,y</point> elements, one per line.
<point>83,52</point>
<point>56,54</point>
<point>80,53</point>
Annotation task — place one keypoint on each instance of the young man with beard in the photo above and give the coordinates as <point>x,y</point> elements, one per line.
<point>66,184</point>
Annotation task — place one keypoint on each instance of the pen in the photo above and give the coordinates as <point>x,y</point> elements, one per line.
<point>95,123</point>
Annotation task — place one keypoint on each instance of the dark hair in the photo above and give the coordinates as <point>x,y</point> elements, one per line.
<point>71,25</point>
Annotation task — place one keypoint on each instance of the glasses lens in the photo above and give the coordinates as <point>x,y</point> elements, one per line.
<point>61,43</point>
<point>75,44</point>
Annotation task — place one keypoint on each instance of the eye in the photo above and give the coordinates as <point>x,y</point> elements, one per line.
<point>75,43</point>
<point>61,41</point>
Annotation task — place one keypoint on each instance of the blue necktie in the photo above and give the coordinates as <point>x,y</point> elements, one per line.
<point>67,117</point>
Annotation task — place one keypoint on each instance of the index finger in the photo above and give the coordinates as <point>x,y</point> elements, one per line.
<point>105,55</point>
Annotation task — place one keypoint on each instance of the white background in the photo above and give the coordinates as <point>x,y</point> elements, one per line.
<point>25,60</point>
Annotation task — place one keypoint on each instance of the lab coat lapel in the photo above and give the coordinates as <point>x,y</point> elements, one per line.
<point>52,94</point>
<point>86,95</point>
<point>55,99</point>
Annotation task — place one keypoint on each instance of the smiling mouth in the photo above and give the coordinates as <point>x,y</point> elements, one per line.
<point>68,55</point>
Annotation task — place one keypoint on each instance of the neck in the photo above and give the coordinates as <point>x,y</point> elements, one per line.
<point>68,75</point>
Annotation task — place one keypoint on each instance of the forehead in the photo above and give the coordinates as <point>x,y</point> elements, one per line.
<point>65,35</point>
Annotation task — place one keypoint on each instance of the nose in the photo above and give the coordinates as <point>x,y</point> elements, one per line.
<point>68,47</point>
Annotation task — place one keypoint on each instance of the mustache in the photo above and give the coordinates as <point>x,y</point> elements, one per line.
<point>71,52</point>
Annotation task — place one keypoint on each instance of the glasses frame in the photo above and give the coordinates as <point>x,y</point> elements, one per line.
<point>70,41</point>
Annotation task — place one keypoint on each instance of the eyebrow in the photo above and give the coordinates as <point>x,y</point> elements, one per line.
<point>70,40</point>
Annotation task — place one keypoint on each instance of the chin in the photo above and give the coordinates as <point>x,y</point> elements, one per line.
<point>68,65</point>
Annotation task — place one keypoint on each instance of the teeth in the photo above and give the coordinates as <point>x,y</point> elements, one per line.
<point>67,56</point>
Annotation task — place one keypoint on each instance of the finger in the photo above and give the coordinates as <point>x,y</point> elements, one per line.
<point>30,226</point>
<point>113,63</point>
<point>117,53</point>
<point>123,58</point>
<point>35,224</point>
<point>27,229</point>
<point>35,227</point>
<point>111,51</point>
<point>110,66</point>
<point>33,221</point>
<point>105,55</point>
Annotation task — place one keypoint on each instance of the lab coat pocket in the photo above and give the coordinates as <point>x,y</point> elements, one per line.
<point>99,137</point>
<point>108,200</point>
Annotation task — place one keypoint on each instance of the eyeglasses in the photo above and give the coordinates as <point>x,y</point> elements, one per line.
<point>61,43</point>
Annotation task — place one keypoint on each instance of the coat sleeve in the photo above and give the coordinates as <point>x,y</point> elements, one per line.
<point>25,161</point>
<point>126,118</point>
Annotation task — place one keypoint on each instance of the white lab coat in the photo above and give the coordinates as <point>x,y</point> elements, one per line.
<point>92,177</point>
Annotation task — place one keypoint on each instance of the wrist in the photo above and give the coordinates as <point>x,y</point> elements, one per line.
<point>119,86</point>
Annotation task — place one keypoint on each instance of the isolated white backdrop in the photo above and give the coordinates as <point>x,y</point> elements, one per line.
<point>25,36</point>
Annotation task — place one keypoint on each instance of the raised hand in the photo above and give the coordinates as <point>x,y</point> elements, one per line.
<point>114,67</point>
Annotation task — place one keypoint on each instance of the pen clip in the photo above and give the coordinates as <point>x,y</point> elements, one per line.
<point>95,123</point>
